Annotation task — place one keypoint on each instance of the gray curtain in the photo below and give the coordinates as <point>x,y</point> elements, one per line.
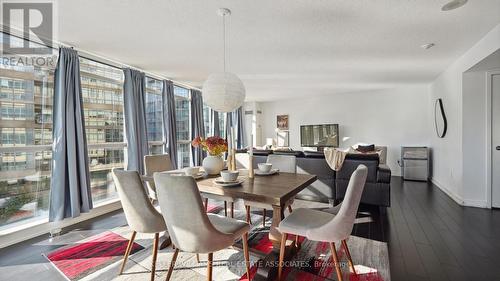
<point>215,123</point>
<point>135,119</point>
<point>235,119</point>
<point>70,184</point>
<point>197,125</point>
<point>240,128</point>
<point>169,121</point>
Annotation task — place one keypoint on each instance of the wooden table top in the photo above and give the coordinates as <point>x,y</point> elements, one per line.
<point>273,190</point>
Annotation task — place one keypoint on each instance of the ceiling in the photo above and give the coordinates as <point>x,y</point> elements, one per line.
<point>281,49</point>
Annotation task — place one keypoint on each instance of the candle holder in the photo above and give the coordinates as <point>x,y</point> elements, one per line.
<point>250,166</point>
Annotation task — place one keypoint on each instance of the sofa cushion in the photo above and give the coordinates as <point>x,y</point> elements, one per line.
<point>366,148</point>
<point>289,152</point>
<point>314,154</point>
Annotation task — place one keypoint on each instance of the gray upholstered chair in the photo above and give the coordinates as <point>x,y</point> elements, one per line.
<point>327,227</point>
<point>163,163</point>
<point>153,164</point>
<point>140,213</point>
<point>285,164</point>
<point>191,229</point>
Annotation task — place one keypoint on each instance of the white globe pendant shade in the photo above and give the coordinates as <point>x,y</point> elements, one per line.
<point>223,92</point>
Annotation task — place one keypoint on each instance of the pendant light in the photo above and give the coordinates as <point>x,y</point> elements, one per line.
<point>223,91</point>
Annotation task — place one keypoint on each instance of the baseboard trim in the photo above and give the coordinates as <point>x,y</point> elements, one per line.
<point>448,192</point>
<point>44,228</point>
<point>458,199</point>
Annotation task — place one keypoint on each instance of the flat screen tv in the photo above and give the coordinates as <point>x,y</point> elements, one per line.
<point>326,135</point>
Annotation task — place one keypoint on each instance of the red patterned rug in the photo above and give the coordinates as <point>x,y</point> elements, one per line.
<point>79,260</point>
<point>313,262</point>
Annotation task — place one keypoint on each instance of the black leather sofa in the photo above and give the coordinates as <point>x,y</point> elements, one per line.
<point>331,185</point>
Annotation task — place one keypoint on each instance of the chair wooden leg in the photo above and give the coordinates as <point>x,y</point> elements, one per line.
<point>264,211</point>
<point>172,264</point>
<point>348,254</point>
<point>336,260</point>
<point>198,258</point>
<point>232,210</point>
<point>249,220</point>
<point>209,266</point>
<point>225,208</point>
<point>155,254</point>
<point>290,208</point>
<point>282,255</point>
<point>127,251</point>
<point>206,205</point>
<point>246,254</point>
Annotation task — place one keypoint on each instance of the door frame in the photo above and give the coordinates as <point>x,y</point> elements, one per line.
<point>489,136</point>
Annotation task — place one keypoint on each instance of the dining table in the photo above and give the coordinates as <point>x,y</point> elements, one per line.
<point>272,190</point>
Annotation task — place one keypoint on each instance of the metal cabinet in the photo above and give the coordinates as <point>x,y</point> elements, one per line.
<point>415,163</point>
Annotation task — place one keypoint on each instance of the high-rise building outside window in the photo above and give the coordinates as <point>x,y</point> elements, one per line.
<point>154,115</point>
<point>182,114</point>
<point>102,91</point>
<point>25,141</point>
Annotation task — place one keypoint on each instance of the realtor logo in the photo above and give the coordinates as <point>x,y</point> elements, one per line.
<point>34,21</point>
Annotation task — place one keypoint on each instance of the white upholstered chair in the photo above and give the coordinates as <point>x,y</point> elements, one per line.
<point>191,229</point>
<point>140,213</point>
<point>285,164</point>
<point>322,226</point>
<point>163,163</point>
<point>153,164</point>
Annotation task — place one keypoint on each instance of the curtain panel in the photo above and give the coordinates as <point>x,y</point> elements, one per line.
<point>70,192</point>
<point>135,119</point>
<point>197,125</point>
<point>169,121</point>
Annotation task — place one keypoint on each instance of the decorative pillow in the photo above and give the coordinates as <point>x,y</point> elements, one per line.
<point>366,148</point>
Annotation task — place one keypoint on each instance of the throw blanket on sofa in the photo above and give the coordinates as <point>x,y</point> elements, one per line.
<point>335,157</point>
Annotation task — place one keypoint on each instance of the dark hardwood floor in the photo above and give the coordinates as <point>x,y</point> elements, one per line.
<point>429,237</point>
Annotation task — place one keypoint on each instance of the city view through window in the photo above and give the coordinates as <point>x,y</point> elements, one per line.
<point>26,94</point>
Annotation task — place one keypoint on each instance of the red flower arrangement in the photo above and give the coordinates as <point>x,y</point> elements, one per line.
<point>215,145</point>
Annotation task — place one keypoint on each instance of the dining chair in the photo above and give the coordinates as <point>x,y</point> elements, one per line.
<point>153,164</point>
<point>162,163</point>
<point>192,229</point>
<point>285,164</point>
<point>316,225</point>
<point>139,211</point>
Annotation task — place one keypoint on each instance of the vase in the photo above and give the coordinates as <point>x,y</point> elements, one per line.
<point>213,164</point>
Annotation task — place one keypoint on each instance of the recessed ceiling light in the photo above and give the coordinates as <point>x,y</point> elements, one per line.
<point>428,46</point>
<point>453,5</point>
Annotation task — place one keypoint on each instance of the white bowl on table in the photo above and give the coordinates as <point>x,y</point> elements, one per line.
<point>229,176</point>
<point>265,167</point>
<point>192,171</point>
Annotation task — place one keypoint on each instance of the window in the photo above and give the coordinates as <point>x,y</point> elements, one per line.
<point>154,115</point>
<point>25,142</point>
<point>182,115</point>
<point>207,120</point>
<point>102,91</point>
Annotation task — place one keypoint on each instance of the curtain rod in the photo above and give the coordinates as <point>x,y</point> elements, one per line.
<point>100,59</point>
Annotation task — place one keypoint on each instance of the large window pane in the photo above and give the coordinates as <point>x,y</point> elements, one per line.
<point>182,102</point>
<point>25,138</point>
<point>154,120</point>
<point>102,91</point>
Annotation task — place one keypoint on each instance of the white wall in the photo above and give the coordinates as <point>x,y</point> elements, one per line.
<point>448,152</point>
<point>393,117</point>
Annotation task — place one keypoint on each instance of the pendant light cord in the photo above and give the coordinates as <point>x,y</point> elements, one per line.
<point>224,38</point>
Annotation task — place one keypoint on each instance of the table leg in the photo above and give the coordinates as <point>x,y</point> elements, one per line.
<point>274,234</point>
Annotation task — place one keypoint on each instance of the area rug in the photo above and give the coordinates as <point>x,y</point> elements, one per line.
<point>79,260</point>
<point>313,262</point>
